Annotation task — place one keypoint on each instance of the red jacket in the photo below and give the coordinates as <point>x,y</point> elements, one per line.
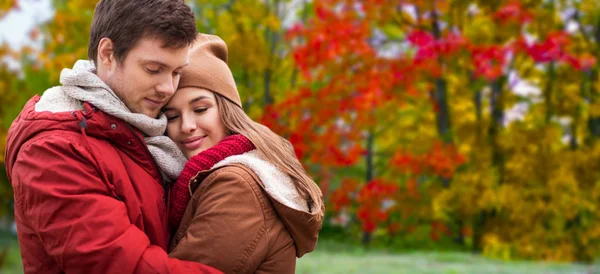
<point>88,196</point>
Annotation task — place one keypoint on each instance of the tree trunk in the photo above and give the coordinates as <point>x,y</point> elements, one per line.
<point>440,96</point>
<point>268,97</point>
<point>366,239</point>
<point>497,104</point>
<point>477,101</point>
<point>498,161</point>
<point>594,122</point>
<point>592,96</point>
<point>294,79</point>
<point>594,127</point>
<point>443,113</point>
<point>478,231</point>
<point>548,93</point>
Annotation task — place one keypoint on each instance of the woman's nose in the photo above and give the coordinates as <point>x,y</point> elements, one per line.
<point>188,125</point>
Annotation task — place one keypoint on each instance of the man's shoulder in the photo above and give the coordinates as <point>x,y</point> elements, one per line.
<point>56,100</point>
<point>61,142</point>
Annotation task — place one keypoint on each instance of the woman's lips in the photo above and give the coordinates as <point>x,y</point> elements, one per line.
<point>192,143</point>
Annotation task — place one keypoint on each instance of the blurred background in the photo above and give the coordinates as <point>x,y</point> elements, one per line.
<point>447,136</point>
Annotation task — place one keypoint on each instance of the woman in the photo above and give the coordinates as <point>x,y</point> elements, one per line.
<point>250,213</point>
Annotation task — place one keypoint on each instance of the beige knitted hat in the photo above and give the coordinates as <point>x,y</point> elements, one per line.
<point>208,68</point>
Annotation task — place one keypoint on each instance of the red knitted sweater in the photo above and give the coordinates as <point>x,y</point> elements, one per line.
<point>180,194</point>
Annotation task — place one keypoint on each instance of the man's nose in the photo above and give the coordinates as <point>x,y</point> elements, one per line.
<point>167,86</point>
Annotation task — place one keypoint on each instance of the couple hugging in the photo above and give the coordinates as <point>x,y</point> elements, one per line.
<point>144,161</point>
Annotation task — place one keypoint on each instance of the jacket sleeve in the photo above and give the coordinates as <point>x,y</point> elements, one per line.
<point>228,230</point>
<point>81,226</point>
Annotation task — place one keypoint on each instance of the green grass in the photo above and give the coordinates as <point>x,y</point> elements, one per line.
<point>12,261</point>
<point>334,258</point>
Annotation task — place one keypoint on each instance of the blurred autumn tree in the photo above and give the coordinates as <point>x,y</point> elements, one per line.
<point>63,40</point>
<point>258,54</point>
<point>8,82</point>
<point>489,111</point>
<point>472,122</point>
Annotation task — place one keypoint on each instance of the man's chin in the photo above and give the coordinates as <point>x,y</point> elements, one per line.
<point>151,114</point>
<point>145,111</point>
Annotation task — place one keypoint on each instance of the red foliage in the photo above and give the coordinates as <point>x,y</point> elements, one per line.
<point>348,83</point>
<point>370,198</point>
<point>412,187</point>
<point>394,228</point>
<point>341,197</point>
<point>329,36</point>
<point>466,231</point>
<point>513,12</point>
<point>551,49</point>
<point>584,62</point>
<point>429,50</point>
<point>438,228</point>
<point>489,61</point>
<point>554,49</point>
<point>371,210</point>
<point>441,160</point>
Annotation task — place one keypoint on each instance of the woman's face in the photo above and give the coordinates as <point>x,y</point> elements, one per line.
<point>193,118</point>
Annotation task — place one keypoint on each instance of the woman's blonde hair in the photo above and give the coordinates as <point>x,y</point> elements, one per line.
<point>274,148</point>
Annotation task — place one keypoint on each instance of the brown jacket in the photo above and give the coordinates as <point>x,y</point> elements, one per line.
<point>245,218</point>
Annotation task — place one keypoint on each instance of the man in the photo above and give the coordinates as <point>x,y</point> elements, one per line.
<point>82,158</point>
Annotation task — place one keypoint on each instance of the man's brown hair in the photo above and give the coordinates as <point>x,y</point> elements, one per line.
<point>125,22</point>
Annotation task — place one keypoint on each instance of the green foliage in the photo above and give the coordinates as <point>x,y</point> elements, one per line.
<point>465,178</point>
<point>258,55</point>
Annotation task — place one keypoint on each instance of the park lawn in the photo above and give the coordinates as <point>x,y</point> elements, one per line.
<point>12,261</point>
<point>332,258</point>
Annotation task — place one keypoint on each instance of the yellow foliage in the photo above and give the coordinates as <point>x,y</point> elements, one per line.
<point>538,196</point>
<point>6,6</point>
<point>481,29</point>
<point>469,193</point>
<point>595,109</point>
<point>2,144</point>
<point>496,248</point>
<point>272,22</point>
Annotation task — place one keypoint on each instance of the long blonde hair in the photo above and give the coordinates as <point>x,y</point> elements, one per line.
<point>274,148</point>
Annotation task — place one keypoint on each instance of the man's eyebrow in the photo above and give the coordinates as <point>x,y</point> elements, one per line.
<point>162,63</point>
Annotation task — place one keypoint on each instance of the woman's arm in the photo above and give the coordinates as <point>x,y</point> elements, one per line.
<point>229,230</point>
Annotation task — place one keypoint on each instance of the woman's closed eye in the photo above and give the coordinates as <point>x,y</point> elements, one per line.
<point>200,110</point>
<point>171,117</point>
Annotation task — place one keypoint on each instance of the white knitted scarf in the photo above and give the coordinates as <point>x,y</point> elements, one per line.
<point>81,84</point>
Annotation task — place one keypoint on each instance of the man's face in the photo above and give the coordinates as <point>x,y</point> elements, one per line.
<point>148,76</point>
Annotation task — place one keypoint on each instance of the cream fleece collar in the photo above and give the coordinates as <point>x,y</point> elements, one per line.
<point>277,184</point>
<point>81,84</point>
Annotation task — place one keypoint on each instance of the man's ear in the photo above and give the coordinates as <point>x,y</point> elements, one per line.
<point>106,55</point>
